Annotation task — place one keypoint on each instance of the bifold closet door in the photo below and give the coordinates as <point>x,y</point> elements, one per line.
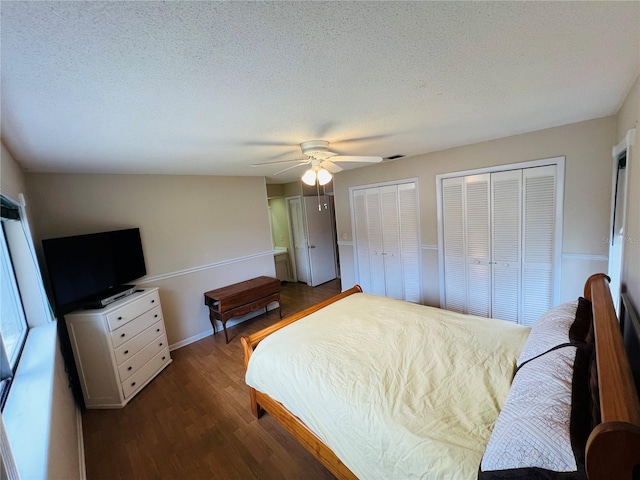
<point>499,236</point>
<point>409,241</point>
<point>478,242</point>
<point>453,218</point>
<point>387,245</point>
<point>538,241</point>
<point>506,227</point>
<point>467,244</point>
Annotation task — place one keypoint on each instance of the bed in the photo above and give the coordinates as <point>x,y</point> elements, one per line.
<point>378,388</point>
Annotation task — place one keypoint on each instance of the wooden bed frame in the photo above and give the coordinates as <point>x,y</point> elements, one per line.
<point>613,447</point>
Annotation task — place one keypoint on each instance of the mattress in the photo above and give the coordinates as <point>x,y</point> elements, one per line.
<point>396,390</point>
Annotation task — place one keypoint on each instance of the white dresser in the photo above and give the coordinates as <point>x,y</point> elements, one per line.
<point>118,349</point>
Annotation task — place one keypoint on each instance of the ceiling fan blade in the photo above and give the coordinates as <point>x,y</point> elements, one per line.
<point>299,160</point>
<point>351,158</point>
<point>361,139</point>
<point>268,144</point>
<point>332,167</point>
<point>289,168</point>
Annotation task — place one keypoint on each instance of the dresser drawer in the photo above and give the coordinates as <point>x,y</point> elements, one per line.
<point>132,365</point>
<point>133,328</point>
<point>123,315</point>
<point>137,343</point>
<point>138,379</point>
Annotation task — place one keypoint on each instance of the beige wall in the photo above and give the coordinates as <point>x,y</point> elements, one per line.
<point>587,148</point>
<point>628,118</point>
<point>198,232</point>
<point>60,435</point>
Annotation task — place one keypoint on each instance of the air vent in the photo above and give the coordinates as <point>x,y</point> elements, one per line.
<point>393,157</point>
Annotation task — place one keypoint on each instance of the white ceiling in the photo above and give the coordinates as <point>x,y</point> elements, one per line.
<point>212,87</point>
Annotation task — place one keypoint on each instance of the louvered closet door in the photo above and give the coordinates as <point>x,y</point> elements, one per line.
<point>506,194</point>
<point>391,242</point>
<point>376,246</point>
<point>387,240</point>
<point>453,212</point>
<point>539,231</point>
<point>499,234</point>
<point>362,239</point>
<point>409,241</point>
<point>478,255</point>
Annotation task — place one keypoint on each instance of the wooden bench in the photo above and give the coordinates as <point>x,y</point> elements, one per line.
<point>241,298</point>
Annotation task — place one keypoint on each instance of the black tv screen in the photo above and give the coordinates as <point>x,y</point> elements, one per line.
<point>86,267</point>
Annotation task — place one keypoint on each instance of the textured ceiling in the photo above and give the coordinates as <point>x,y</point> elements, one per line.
<point>212,87</point>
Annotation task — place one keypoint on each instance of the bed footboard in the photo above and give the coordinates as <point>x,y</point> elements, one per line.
<point>250,342</point>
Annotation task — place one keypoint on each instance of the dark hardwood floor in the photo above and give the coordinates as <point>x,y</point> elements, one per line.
<point>194,422</point>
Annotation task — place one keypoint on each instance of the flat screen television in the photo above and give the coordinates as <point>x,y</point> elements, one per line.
<point>86,268</point>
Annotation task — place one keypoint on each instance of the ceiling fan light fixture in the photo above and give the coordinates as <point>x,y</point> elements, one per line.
<point>309,177</point>
<point>324,176</point>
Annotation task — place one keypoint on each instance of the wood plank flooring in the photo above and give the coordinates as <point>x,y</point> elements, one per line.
<point>194,421</point>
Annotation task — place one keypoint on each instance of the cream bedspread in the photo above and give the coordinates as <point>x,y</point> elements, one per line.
<point>396,390</point>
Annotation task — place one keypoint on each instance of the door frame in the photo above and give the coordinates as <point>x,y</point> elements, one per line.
<point>626,144</point>
<point>352,189</point>
<point>559,162</point>
<point>294,263</point>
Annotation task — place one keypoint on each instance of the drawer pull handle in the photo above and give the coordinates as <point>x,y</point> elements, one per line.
<point>155,316</point>
<point>126,351</point>
<point>160,343</point>
<point>164,358</point>
<point>153,301</point>
<point>122,335</point>
<point>129,369</point>
<point>133,384</point>
<point>119,318</point>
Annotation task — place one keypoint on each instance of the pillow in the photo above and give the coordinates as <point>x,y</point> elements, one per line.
<point>542,430</point>
<point>567,323</point>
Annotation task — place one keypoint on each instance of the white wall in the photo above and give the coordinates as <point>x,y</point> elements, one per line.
<point>628,118</point>
<point>198,232</point>
<point>587,147</point>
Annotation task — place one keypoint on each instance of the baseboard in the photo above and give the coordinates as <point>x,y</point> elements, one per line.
<point>230,323</point>
<point>82,464</point>
<point>187,341</point>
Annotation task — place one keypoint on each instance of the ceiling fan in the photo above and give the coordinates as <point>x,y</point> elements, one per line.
<point>322,161</point>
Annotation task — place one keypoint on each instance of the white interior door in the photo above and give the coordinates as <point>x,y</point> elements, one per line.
<point>500,237</point>
<point>478,241</point>
<point>299,239</point>
<point>453,216</point>
<point>410,241</point>
<point>387,241</point>
<point>376,245</point>
<point>393,283</point>
<point>538,241</point>
<point>362,239</point>
<point>320,240</point>
<point>506,205</point>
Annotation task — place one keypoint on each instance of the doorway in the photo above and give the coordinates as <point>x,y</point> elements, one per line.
<point>312,238</point>
<point>621,158</point>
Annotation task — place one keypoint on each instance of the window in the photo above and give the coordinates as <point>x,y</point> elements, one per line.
<point>13,324</point>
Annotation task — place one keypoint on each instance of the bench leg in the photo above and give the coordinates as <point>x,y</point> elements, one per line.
<point>212,319</point>
<point>224,327</point>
